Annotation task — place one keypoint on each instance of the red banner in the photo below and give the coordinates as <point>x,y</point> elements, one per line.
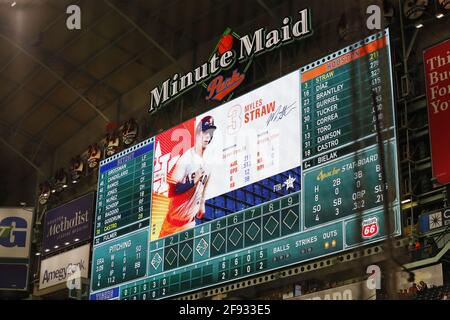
<point>437,77</point>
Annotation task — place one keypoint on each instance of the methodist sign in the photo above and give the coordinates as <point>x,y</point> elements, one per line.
<point>69,223</point>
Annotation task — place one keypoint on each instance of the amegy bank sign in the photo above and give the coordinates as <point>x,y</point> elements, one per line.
<point>65,267</point>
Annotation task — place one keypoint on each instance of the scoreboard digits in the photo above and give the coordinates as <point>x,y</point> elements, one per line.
<point>119,261</point>
<point>348,185</point>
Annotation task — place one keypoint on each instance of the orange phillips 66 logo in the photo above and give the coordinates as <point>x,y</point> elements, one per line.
<point>370,227</point>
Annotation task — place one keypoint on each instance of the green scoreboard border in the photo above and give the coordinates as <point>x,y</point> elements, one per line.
<point>245,261</point>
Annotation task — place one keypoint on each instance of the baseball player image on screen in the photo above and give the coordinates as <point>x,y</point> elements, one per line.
<point>187,183</point>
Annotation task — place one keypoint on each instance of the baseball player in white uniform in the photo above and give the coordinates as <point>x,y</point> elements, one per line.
<point>187,183</point>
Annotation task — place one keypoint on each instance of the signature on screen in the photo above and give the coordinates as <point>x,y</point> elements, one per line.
<point>280,113</point>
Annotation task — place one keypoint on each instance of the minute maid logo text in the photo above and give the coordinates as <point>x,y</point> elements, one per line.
<point>226,56</point>
<point>63,273</point>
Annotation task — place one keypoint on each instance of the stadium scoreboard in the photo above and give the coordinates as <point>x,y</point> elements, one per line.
<point>329,199</point>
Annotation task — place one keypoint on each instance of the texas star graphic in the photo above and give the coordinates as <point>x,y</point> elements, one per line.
<point>289,183</point>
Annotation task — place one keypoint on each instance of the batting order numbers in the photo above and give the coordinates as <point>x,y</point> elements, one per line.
<point>232,309</point>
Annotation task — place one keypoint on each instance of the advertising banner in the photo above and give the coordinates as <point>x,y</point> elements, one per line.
<point>437,77</point>
<point>434,220</point>
<point>68,222</point>
<point>251,138</point>
<point>354,291</point>
<point>63,267</point>
<point>15,232</point>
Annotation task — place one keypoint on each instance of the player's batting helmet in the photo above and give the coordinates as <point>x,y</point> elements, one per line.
<point>208,123</point>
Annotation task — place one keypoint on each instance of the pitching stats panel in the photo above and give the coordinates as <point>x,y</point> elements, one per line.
<point>287,173</point>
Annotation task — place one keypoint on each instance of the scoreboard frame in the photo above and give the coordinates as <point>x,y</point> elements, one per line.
<point>200,274</point>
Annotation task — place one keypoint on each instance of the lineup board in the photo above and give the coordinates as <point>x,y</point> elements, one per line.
<point>330,197</point>
<point>123,207</point>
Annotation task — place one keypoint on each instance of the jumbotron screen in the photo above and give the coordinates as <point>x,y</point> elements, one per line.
<point>287,173</point>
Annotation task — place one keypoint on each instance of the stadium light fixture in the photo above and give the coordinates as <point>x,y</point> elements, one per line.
<point>37,253</point>
<point>47,250</point>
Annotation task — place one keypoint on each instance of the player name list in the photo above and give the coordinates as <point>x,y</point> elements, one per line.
<point>338,104</point>
<point>124,189</point>
<point>346,98</point>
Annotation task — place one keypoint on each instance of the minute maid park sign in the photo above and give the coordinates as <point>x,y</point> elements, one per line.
<point>260,42</point>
